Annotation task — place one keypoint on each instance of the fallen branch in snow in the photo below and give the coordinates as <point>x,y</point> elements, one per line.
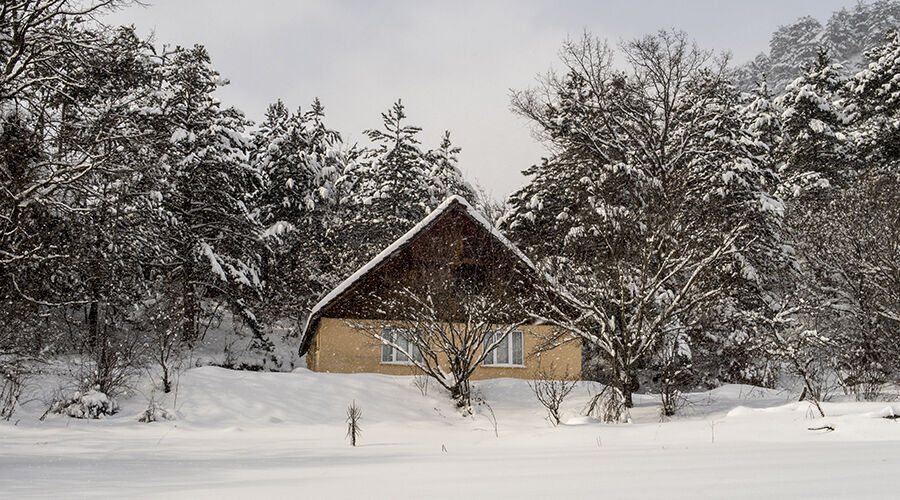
<point>889,413</point>
<point>827,428</point>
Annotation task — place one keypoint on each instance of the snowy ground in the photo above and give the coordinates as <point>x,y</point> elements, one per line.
<point>257,434</point>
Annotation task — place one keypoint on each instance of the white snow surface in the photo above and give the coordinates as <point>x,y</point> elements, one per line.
<point>266,435</point>
<point>407,237</point>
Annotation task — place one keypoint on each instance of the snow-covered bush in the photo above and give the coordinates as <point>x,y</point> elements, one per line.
<point>155,413</point>
<point>89,404</point>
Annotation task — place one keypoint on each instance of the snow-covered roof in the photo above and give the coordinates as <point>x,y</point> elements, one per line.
<point>401,242</point>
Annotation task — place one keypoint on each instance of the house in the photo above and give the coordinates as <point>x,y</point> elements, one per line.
<point>457,250</point>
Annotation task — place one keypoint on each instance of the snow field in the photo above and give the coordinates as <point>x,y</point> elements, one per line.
<point>261,434</point>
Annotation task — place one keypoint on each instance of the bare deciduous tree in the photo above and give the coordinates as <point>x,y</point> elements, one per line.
<point>625,309</point>
<point>805,352</point>
<point>162,323</point>
<point>551,391</point>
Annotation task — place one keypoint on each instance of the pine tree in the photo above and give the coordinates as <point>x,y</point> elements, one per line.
<point>298,158</point>
<point>447,179</point>
<point>300,161</point>
<point>846,35</point>
<point>399,168</point>
<point>392,186</point>
<point>792,46</point>
<point>762,119</point>
<point>814,149</point>
<point>213,237</point>
<point>876,93</point>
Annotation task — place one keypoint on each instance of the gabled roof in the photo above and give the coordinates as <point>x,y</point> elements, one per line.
<point>453,203</point>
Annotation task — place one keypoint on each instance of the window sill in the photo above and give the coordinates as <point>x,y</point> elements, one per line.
<point>503,365</point>
<point>398,363</point>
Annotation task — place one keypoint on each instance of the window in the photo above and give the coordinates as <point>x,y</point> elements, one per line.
<point>391,337</point>
<point>507,353</point>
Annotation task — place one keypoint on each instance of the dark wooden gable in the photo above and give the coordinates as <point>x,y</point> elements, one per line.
<point>454,239</point>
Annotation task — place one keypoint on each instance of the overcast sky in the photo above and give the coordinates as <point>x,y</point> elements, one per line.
<point>452,63</point>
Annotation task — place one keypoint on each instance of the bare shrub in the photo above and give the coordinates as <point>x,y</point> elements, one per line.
<point>673,402</point>
<point>12,383</point>
<point>803,351</point>
<point>420,380</point>
<point>354,415</point>
<point>163,327</point>
<point>111,365</point>
<point>480,400</point>
<point>550,391</point>
<point>866,383</point>
<point>104,372</point>
<point>673,359</point>
<point>608,406</point>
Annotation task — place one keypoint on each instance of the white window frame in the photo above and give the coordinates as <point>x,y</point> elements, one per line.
<point>392,333</point>
<point>490,359</point>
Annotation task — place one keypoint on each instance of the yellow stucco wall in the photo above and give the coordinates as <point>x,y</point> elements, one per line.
<point>340,348</point>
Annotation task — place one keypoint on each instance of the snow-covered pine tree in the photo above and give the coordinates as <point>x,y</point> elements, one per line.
<point>729,182</point>
<point>876,93</point>
<point>814,151</point>
<point>392,186</point>
<point>792,46</point>
<point>447,179</point>
<point>300,161</point>
<point>847,34</point>
<point>762,119</point>
<point>213,237</point>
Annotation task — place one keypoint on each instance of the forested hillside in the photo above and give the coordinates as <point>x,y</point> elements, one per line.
<point>847,34</point>
<point>696,228</point>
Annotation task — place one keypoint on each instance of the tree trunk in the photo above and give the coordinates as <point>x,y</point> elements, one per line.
<point>93,321</point>
<point>166,381</point>
<point>626,379</point>
<point>627,398</point>
<point>462,393</point>
<point>189,297</point>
